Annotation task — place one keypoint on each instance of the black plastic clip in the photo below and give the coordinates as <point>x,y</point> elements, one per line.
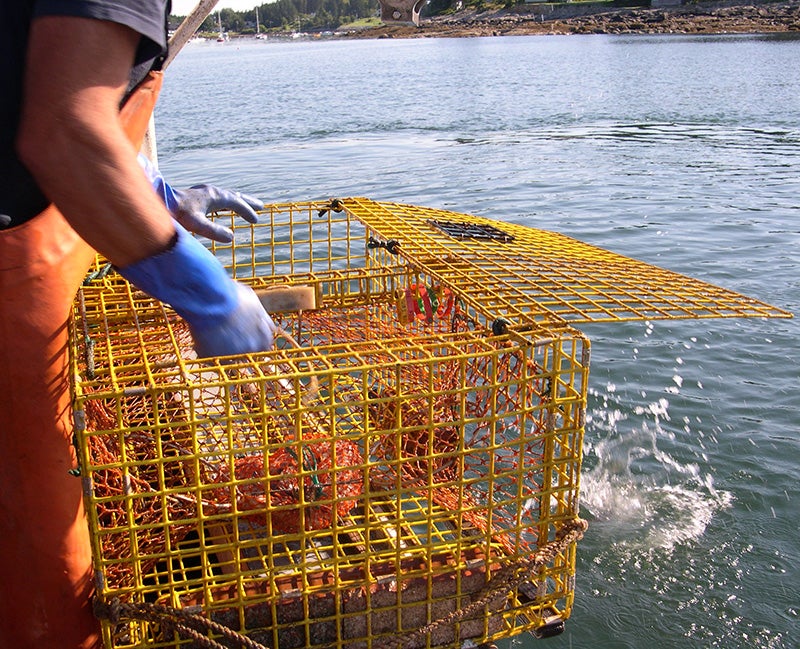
<point>500,326</point>
<point>334,204</point>
<point>392,246</point>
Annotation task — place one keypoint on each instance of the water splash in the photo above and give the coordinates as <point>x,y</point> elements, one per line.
<point>646,497</point>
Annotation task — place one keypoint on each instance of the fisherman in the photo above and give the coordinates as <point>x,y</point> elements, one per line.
<point>79,79</point>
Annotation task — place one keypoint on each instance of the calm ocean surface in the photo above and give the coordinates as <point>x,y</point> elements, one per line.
<point>680,151</point>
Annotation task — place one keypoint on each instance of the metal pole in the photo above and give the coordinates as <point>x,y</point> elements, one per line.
<point>187,28</point>
<point>181,36</point>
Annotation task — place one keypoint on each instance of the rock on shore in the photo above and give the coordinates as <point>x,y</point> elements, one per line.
<point>699,18</point>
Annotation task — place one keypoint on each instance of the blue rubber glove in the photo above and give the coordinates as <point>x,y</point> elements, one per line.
<point>189,207</point>
<point>224,316</point>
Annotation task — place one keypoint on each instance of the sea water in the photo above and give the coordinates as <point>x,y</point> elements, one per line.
<point>682,151</point>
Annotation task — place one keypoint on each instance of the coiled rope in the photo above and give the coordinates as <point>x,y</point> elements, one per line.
<point>193,626</point>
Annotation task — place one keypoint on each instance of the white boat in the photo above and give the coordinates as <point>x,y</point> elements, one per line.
<point>259,35</point>
<point>223,36</point>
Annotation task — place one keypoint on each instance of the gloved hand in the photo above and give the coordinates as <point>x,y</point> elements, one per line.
<point>189,207</point>
<point>224,316</point>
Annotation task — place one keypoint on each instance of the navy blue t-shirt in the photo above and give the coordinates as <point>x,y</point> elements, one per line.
<point>20,197</point>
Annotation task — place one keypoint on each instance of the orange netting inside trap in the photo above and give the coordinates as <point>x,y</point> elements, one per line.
<point>129,507</point>
<point>274,495</point>
<point>147,461</point>
<point>424,416</point>
<point>419,398</point>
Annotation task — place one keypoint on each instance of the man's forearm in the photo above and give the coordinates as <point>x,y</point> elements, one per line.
<point>72,142</point>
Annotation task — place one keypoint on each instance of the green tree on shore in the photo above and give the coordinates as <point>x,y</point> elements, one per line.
<point>288,14</point>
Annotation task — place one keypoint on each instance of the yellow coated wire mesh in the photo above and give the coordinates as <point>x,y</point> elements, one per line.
<point>529,275</point>
<point>415,433</point>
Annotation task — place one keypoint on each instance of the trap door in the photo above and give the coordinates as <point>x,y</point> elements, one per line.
<point>531,276</point>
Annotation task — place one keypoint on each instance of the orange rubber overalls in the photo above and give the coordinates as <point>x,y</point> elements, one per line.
<point>46,579</point>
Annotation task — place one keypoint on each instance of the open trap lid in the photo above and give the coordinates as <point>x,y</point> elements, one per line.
<point>534,276</point>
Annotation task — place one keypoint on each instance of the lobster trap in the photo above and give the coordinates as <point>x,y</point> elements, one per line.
<point>402,469</point>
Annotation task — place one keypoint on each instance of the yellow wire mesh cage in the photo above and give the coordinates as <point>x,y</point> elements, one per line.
<point>401,470</point>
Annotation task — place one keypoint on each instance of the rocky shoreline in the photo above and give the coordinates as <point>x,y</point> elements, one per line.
<point>699,18</point>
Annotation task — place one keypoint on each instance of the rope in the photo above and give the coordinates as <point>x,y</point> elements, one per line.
<point>502,583</point>
<point>188,625</point>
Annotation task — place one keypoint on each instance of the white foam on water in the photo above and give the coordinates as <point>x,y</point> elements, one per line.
<point>645,498</point>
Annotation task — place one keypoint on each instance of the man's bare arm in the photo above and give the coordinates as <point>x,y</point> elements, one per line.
<point>72,142</point>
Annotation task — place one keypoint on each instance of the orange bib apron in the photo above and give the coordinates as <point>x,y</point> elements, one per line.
<point>46,579</point>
